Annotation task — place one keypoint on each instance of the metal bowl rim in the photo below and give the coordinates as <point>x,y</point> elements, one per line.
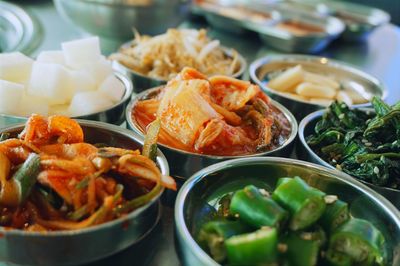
<point>186,235</point>
<point>128,92</point>
<point>164,168</point>
<point>124,5</point>
<point>315,115</point>
<point>288,115</point>
<point>227,51</point>
<point>256,64</point>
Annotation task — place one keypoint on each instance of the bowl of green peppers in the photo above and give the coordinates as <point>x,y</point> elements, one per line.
<point>364,143</point>
<point>279,211</point>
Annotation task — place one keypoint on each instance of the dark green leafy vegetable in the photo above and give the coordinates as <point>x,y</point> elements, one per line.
<point>362,144</point>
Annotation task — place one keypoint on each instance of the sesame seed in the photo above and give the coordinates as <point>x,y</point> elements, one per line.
<point>364,141</point>
<point>376,170</point>
<point>368,144</point>
<point>341,116</point>
<point>329,199</point>
<point>338,167</point>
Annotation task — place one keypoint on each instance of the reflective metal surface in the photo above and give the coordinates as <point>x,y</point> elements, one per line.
<point>274,36</point>
<point>305,152</point>
<point>95,16</point>
<point>183,164</point>
<point>19,30</point>
<point>92,243</point>
<point>142,82</point>
<point>344,73</point>
<point>113,115</point>
<point>192,205</point>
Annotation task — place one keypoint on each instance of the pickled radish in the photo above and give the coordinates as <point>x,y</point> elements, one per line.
<point>10,96</point>
<point>15,67</point>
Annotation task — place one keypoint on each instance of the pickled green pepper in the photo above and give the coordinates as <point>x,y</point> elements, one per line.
<point>213,234</point>
<point>256,209</point>
<point>305,204</point>
<point>301,251</point>
<point>334,215</point>
<point>360,240</point>
<point>257,248</point>
<point>334,258</point>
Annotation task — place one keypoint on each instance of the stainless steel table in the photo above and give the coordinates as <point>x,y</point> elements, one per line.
<point>379,56</point>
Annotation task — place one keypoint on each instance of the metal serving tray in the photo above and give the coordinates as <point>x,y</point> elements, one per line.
<point>269,30</point>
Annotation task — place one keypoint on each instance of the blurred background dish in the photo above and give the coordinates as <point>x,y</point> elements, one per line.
<point>195,201</point>
<point>148,17</point>
<point>349,78</point>
<point>50,248</point>
<point>19,29</point>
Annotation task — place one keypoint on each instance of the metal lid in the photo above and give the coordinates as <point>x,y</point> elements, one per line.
<point>19,30</point>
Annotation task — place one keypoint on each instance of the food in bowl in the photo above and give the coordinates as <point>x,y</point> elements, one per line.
<point>300,84</point>
<point>163,56</point>
<point>295,224</point>
<point>52,180</point>
<point>74,81</point>
<point>363,144</point>
<point>299,28</point>
<point>219,115</point>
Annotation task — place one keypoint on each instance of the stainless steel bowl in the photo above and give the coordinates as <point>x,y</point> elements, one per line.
<point>305,152</point>
<point>19,29</point>
<point>184,164</point>
<point>310,43</point>
<point>113,115</point>
<point>85,245</point>
<point>346,74</point>
<point>142,82</point>
<point>193,202</point>
<point>114,19</point>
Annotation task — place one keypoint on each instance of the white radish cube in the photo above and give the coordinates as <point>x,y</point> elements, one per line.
<point>56,57</point>
<point>80,52</point>
<point>100,70</point>
<point>83,81</point>
<point>113,88</point>
<point>15,67</point>
<point>10,96</point>
<point>51,81</point>
<point>89,102</point>
<point>33,105</point>
<point>60,109</point>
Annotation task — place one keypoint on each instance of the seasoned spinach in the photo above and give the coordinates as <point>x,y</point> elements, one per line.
<point>363,144</point>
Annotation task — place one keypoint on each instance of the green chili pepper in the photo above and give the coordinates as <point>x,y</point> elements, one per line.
<point>256,209</point>
<point>334,215</point>
<point>26,176</point>
<point>283,180</point>
<point>4,136</point>
<point>334,258</point>
<point>316,234</point>
<point>224,203</point>
<point>360,240</point>
<point>259,247</point>
<point>150,142</point>
<point>305,204</point>
<point>78,214</point>
<point>300,251</point>
<point>213,234</point>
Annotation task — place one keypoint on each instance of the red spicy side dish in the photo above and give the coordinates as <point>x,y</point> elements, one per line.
<point>214,116</point>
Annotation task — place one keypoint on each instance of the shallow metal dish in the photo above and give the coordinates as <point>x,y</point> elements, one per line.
<point>142,82</point>
<point>366,19</point>
<point>114,19</point>
<point>308,43</point>
<point>192,205</point>
<point>184,164</point>
<point>342,72</point>
<point>305,152</point>
<point>19,30</point>
<point>85,245</point>
<point>113,115</point>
